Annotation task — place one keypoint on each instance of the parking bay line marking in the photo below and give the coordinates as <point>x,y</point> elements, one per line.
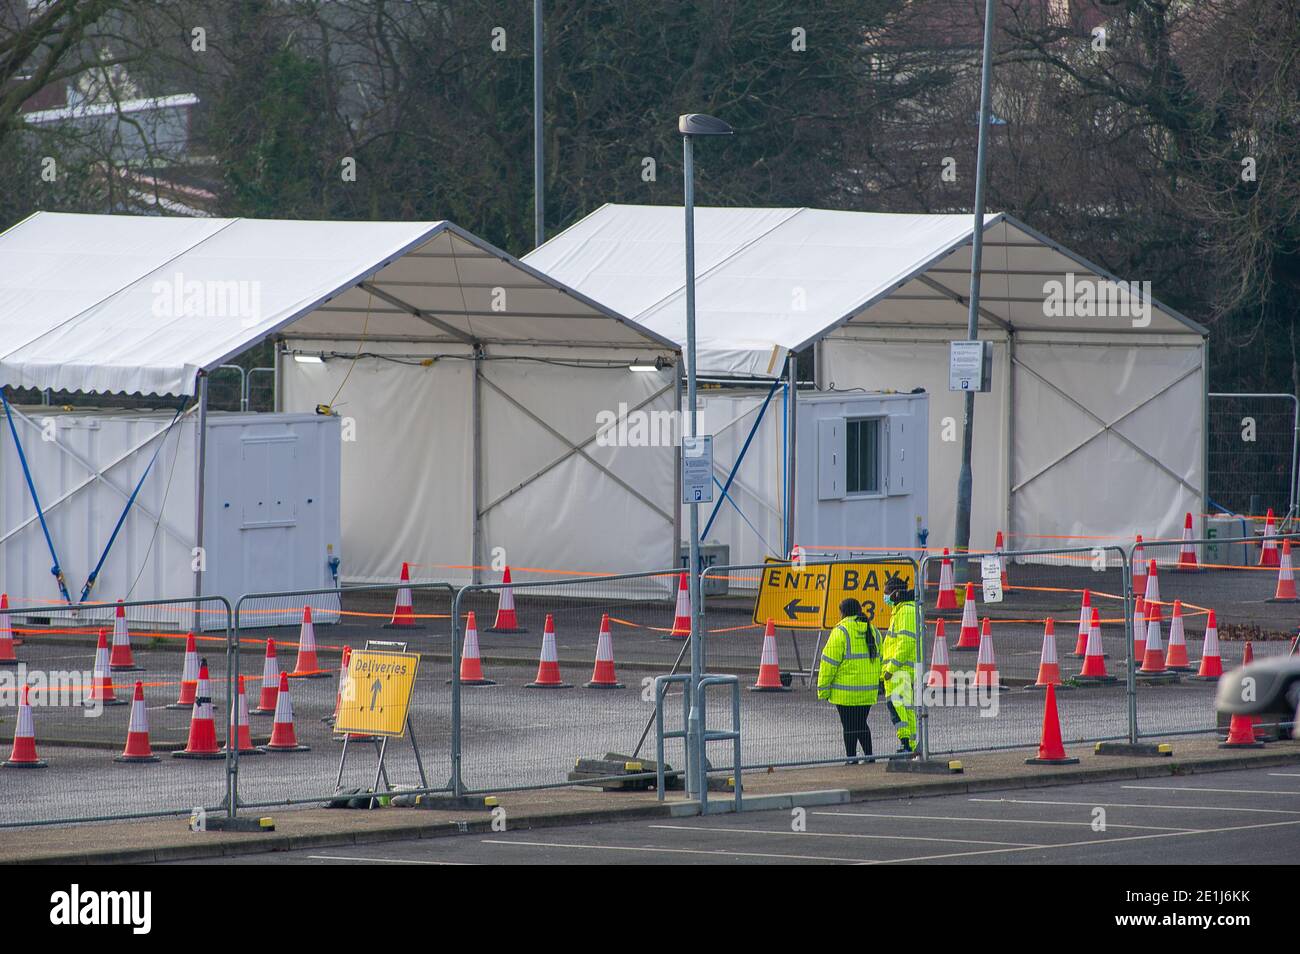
<point>833,834</point>
<point>383,861</point>
<point>1082,844</point>
<point>1000,821</point>
<point>1285,774</point>
<point>1172,808</point>
<point>671,851</point>
<point>1221,791</point>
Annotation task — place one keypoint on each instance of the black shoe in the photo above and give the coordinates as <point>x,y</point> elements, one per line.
<point>904,748</point>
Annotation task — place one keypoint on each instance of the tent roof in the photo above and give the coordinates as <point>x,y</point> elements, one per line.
<point>117,303</point>
<point>770,281</point>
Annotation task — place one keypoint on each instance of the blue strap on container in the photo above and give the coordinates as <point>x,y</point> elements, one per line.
<point>162,439</point>
<point>36,500</point>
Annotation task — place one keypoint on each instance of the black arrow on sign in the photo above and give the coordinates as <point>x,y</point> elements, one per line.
<point>794,607</point>
<point>374,693</point>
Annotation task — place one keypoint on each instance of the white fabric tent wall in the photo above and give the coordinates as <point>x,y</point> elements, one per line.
<point>408,477</point>
<point>1047,472</point>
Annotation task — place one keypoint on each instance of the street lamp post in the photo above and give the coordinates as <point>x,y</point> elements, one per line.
<point>691,125</point>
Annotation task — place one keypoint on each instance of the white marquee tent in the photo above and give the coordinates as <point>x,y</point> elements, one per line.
<point>470,382</point>
<point>1095,426</point>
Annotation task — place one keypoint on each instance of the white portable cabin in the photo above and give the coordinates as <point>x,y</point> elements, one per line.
<point>1095,425</point>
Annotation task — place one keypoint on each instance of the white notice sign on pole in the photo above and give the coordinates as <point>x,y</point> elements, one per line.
<point>697,469</point>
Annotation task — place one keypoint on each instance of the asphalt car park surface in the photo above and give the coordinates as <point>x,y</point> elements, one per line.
<point>1238,817</point>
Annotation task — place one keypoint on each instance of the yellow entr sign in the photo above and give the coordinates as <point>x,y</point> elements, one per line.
<point>865,582</point>
<point>377,694</point>
<point>791,596</point>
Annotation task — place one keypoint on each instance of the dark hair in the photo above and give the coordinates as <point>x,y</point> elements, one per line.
<point>850,607</point>
<point>896,586</point>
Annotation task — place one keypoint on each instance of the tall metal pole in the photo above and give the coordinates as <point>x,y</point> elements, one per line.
<point>694,784</point>
<point>200,465</point>
<point>539,185</point>
<point>965,481</point>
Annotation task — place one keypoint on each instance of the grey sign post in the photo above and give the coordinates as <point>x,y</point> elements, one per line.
<point>691,125</point>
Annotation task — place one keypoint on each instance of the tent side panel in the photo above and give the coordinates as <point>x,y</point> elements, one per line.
<point>1109,440</point>
<point>605,508</point>
<point>406,456</point>
<point>148,560</point>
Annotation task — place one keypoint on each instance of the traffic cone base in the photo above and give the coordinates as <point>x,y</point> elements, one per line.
<point>1051,751</point>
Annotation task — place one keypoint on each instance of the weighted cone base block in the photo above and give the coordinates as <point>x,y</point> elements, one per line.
<point>475,682</point>
<point>198,755</point>
<point>604,685</point>
<point>549,685</point>
<point>1140,749</point>
<point>925,766</point>
<point>136,758</point>
<point>1064,761</point>
<point>226,823</point>
<point>284,748</point>
<point>37,764</point>
<point>505,632</point>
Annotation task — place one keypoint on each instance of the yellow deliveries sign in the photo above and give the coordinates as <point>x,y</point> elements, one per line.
<point>377,695</point>
<point>864,582</point>
<point>791,596</point>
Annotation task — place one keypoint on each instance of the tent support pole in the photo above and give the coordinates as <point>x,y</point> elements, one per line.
<point>476,485</point>
<point>792,367</point>
<point>1011,429</point>
<point>277,362</point>
<point>201,458</point>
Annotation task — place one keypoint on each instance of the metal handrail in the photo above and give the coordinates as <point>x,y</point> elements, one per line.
<point>717,735</point>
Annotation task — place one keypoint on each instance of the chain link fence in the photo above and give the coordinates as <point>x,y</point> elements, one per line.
<point>83,712</point>
<point>546,700</point>
<point>1252,452</point>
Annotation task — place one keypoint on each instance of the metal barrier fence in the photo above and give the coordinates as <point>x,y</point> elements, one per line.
<point>507,735</point>
<point>419,763</point>
<point>82,707</point>
<point>1251,452</point>
<point>1042,587</point>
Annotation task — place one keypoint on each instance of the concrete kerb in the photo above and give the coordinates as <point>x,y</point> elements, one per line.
<point>377,827</point>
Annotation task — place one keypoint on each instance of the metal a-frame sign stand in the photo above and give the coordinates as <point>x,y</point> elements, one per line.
<point>381,742</point>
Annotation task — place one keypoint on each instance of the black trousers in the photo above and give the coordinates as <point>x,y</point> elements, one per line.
<point>856,731</point>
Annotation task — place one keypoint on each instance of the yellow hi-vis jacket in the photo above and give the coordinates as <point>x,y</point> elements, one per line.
<point>849,674</point>
<point>899,651</point>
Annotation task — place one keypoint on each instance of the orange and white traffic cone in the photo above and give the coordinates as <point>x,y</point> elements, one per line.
<point>121,659</point>
<point>1152,592</point>
<point>23,753</point>
<point>101,685</point>
<point>138,748</point>
<point>403,608</point>
<point>1085,617</point>
<point>1248,657</point>
<point>1094,671</point>
<point>947,599</point>
<point>1187,555</point>
<point>1153,660</point>
<point>471,663</point>
<point>939,676</point>
<point>1139,630</point>
<point>1211,663</point>
<point>202,741</point>
<point>1049,668</point>
<point>986,666</point>
<point>548,666</point>
<point>682,615</point>
<point>969,637</point>
<point>344,662</point>
<point>270,681</point>
<point>7,641</point>
<point>506,621</point>
<point>1139,567</point>
<point>1002,560</point>
<point>1051,750</point>
<point>189,676</point>
<point>769,669</point>
<point>1285,592</point>
<point>307,666</point>
<point>284,737</point>
<point>1268,555</point>
<point>1176,654</point>
<point>243,737</point>
<point>602,676</point>
<point>1241,734</point>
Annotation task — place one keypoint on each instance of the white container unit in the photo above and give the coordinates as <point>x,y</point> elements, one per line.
<point>271,509</point>
<point>861,472</point>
